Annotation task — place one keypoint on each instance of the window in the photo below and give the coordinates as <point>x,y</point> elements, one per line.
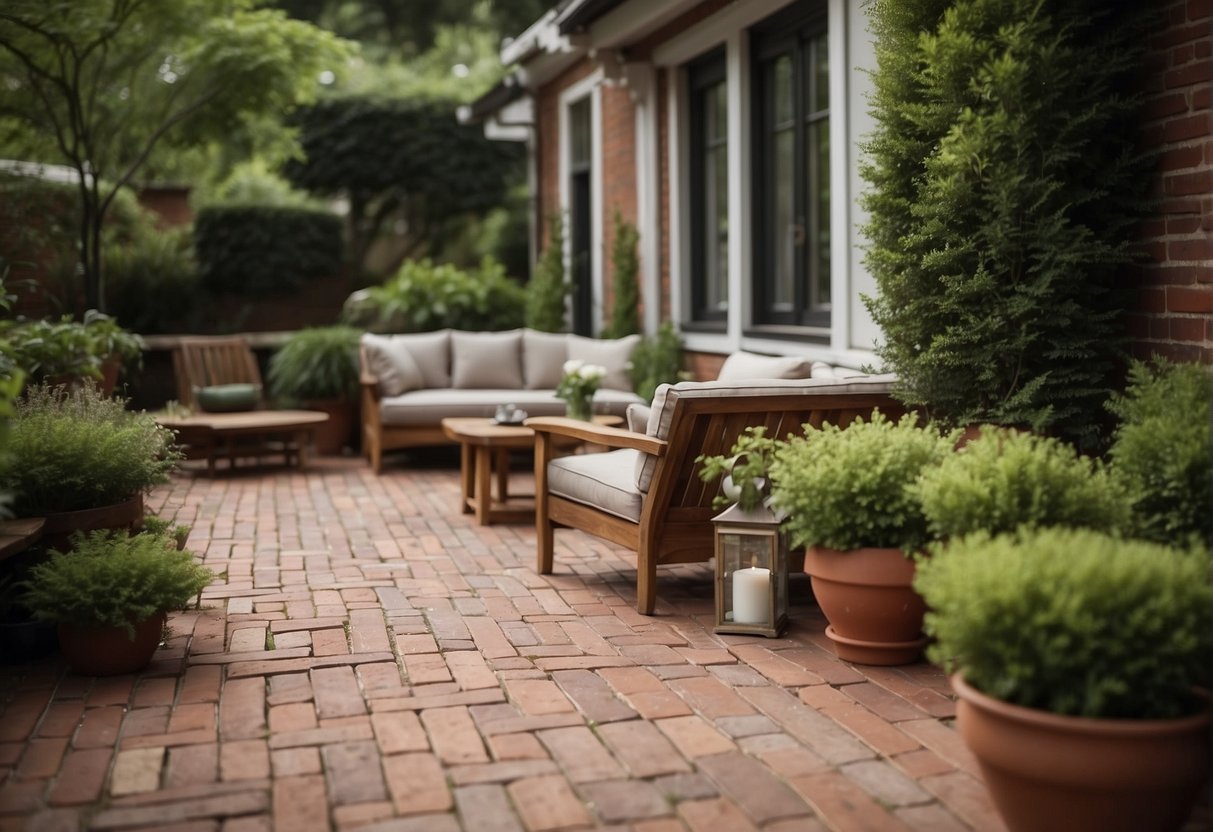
<point>791,122</point>
<point>581,214</point>
<point>709,190</point>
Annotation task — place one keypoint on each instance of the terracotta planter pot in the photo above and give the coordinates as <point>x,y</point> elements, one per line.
<point>335,434</point>
<point>109,651</point>
<point>58,529</point>
<point>866,594</point>
<point>1048,772</point>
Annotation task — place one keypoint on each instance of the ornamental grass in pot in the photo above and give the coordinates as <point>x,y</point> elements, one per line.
<point>1082,665</point>
<point>847,496</point>
<point>110,595</point>
<point>317,368</point>
<point>82,461</point>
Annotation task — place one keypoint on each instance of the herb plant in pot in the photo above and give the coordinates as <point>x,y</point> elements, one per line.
<point>846,494</point>
<point>318,368</point>
<point>110,596</point>
<point>82,461</point>
<point>1082,666</point>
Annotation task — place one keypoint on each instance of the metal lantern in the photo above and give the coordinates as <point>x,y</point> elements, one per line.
<point>751,572</point>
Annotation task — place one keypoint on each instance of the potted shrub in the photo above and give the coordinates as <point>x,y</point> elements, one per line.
<point>318,368</point>
<point>847,496</point>
<point>1078,659</point>
<point>82,461</point>
<point>1162,451</point>
<point>110,596</point>
<point>1006,480</point>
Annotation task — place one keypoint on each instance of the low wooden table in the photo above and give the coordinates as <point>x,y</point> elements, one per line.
<point>254,433</point>
<point>484,449</point>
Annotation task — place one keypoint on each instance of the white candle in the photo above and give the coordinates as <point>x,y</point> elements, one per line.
<point>752,595</point>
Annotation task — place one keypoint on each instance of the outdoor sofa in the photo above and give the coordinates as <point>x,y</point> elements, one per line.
<point>411,382</point>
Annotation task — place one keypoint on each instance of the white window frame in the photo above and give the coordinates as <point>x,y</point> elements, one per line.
<point>590,87</point>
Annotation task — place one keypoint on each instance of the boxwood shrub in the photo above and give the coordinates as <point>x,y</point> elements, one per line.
<point>262,250</point>
<point>1072,621</point>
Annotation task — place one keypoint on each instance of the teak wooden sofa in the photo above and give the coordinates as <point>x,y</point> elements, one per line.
<point>646,494</point>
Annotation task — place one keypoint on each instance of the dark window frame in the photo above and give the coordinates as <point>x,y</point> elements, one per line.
<point>703,74</point>
<point>793,32</point>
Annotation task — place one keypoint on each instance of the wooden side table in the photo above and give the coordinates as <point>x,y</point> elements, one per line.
<point>484,449</point>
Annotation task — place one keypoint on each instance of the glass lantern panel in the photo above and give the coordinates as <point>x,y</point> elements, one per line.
<point>747,597</point>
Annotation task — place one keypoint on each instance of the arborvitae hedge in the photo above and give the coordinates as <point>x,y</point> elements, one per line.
<point>1004,185</point>
<point>262,250</point>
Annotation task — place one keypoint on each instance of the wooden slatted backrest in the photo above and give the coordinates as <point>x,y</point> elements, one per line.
<point>710,425</point>
<point>208,361</point>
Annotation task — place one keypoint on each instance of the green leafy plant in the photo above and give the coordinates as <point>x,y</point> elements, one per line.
<point>850,488</point>
<point>1004,183</point>
<point>424,296</point>
<point>115,580</point>
<point>1007,480</point>
<point>1072,621</point>
<point>1162,451</point>
<point>317,363</point>
<point>68,350</point>
<point>625,311</point>
<point>75,449</point>
<point>657,360</point>
<point>176,532</point>
<point>152,279</point>
<point>549,289</point>
<point>747,466</point>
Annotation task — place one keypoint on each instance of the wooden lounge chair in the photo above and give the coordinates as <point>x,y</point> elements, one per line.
<point>646,493</point>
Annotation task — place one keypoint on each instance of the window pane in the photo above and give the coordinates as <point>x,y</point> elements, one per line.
<point>821,254</point>
<point>718,123</point>
<point>579,132</point>
<point>717,236</point>
<point>783,107</point>
<point>821,73</point>
<point>783,295</point>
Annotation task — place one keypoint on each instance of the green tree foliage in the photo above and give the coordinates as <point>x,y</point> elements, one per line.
<point>657,360</point>
<point>98,84</point>
<point>1003,181</point>
<point>404,162</point>
<point>548,290</point>
<point>625,313</point>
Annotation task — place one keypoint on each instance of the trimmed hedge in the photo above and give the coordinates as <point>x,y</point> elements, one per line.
<point>262,250</point>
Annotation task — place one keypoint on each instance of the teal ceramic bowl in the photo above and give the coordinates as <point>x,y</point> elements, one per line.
<point>227,398</point>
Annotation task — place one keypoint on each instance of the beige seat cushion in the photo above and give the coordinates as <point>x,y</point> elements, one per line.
<point>605,481</point>
<point>613,354</point>
<point>543,357</point>
<point>392,363</point>
<point>481,360</point>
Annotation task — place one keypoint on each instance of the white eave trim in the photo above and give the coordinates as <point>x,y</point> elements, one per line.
<point>631,21</point>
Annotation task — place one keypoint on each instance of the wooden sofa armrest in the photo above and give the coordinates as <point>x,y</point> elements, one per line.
<point>598,434</point>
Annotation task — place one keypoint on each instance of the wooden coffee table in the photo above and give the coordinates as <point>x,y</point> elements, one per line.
<point>255,433</point>
<point>484,450</point>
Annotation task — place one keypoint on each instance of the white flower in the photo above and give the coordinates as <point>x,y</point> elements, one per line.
<point>592,372</point>
<point>573,366</point>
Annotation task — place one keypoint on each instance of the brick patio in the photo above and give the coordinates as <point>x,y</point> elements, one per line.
<point>371,659</point>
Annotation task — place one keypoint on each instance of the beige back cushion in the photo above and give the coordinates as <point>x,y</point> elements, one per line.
<point>543,357</point>
<point>613,354</point>
<point>392,363</point>
<point>741,366</point>
<point>432,352</point>
<point>486,360</point>
<point>668,395</point>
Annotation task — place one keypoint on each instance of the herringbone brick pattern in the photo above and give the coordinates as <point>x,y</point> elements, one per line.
<point>371,659</point>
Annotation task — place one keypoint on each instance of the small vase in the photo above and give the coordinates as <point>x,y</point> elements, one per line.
<point>579,409</point>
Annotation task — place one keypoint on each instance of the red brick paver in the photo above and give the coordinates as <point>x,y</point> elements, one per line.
<point>373,659</point>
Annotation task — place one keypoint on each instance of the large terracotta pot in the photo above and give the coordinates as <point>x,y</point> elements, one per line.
<point>109,651</point>
<point>866,594</point>
<point>58,528</point>
<point>332,436</point>
<point>1053,773</point>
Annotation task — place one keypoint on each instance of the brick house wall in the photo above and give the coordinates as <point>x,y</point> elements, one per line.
<point>1174,314</point>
